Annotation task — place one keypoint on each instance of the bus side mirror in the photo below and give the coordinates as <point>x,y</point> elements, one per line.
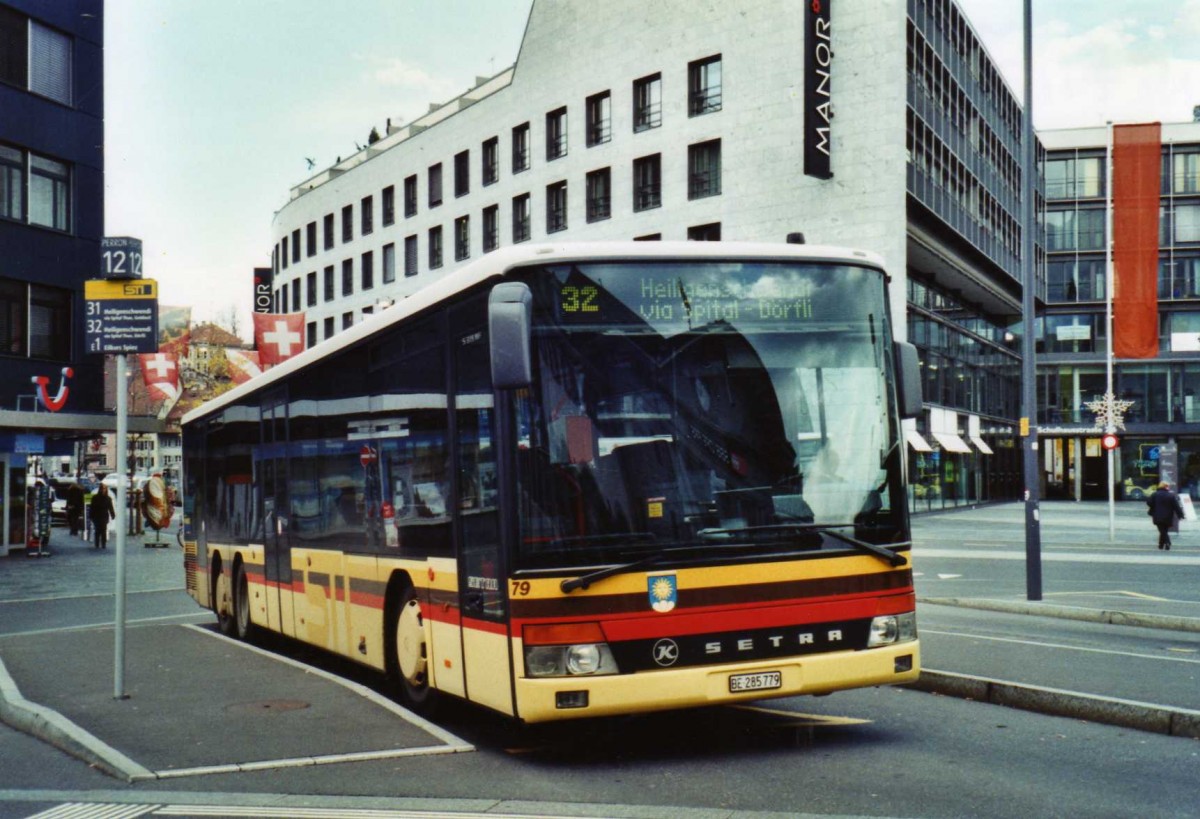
<point>909,381</point>
<point>510,316</point>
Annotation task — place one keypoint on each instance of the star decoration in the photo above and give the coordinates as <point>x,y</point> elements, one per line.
<point>1110,411</point>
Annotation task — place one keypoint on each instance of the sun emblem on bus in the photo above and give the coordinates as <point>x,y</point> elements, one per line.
<point>664,591</point>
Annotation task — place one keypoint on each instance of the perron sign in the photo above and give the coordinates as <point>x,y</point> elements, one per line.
<point>818,103</point>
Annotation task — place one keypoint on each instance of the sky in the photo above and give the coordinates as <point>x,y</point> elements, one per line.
<point>212,107</point>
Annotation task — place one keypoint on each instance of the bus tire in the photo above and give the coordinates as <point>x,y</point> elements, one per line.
<point>243,625</point>
<point>223,601</point>
<point>408,653</point>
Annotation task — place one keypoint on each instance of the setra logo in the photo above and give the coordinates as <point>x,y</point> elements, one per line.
<point>666,652</point>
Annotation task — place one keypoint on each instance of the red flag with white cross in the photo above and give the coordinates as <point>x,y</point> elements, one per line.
<point>278,337</point>
<point>160,371</point>
<point>243,365</point>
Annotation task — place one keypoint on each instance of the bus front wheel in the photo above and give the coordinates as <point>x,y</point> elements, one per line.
<point>241,604</point>
<point>408,653</point>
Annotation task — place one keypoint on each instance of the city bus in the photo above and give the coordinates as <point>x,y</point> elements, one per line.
<point>580,480</point>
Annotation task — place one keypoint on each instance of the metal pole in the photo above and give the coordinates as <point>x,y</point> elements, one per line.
<point>119,619</point>
<point>1033,536</point>
<point>1109,289</point>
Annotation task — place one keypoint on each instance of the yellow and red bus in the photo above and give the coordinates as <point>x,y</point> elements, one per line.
<point>580,480</point>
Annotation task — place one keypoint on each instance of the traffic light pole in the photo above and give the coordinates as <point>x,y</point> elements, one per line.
<point>1029,443</point>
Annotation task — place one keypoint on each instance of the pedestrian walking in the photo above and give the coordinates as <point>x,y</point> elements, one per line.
<point>1165,510</point>
<point>75,508</point>
<point>102,511</point>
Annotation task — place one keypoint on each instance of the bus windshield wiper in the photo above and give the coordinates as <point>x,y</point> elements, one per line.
<point>585,580</point>
<point>887,554</point>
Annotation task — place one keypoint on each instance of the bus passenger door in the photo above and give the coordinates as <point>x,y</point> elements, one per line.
<point>485,637</point>
<point>274,471</point>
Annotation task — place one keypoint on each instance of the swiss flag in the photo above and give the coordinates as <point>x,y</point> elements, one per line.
<point>160,371</point>
<point>243,365</point>
<point>278,337</point>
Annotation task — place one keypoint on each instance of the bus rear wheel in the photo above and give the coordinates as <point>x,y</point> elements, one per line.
<point>243,626</point>
<point>408,654</point>
<point>223,603</point>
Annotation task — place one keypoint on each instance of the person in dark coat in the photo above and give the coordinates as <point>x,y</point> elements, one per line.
<point>102,512</point>
<point>75,508</point>
<point>1164,509</point>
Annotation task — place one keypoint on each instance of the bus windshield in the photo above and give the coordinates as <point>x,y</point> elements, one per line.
<point>686,404</point>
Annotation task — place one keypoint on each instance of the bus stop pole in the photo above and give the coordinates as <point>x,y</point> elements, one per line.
<point>119,618</point>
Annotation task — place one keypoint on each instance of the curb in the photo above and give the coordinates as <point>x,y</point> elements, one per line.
<point>1141,716</point>
<point>53,728</point>
<point>1110,617</point>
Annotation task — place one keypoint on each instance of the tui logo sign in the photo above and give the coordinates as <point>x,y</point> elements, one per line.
<point>60,399</point>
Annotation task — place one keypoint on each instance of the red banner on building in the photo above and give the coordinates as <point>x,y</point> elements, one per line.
<point>243,365</point>
<point>1137,178</point>
<point>278,337</point>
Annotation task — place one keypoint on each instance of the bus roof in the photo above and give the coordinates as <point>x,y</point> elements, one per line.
<point>497,263</point>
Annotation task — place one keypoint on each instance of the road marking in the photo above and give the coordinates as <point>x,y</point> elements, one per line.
<point>1116,593</point>
<point>199,616</point>
<point>96,810</point>
<point>51,598</point>
<point>92,810</point>
<point>803,719</point>
<point>1160,558</point>
<point>948,576</point>
<point>1040,644</point>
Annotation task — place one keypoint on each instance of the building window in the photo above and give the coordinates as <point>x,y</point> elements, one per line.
<point>1074,178</point>
<point>556,133</point>
<point>410,196</point>
<point>647,103</point>
<point>389,205</point>
<point>49,323</point>
<point>647,182</point>
<point>435,185</point>
<point>367,273</point>
<point>311,335</point>
<point>704,169</point>
<point>520,148</point>
<point>296,246</point>
<point>389,263</point>
<point>347,223</point>
<point>49,193</point>
<point>462,238</point>
<point>599,118</point>
<point>310,289</point>
<point>491,228</point>
<point>283,244</point>
<point>1186,173</point>
<point>649,237</point>
<point>1186,222</point>
<point>348,277</point>
<point>435,247</point>
<point>462,173</point>
<point>704,86</point>
<point>283,299</point>
<point>410,255</point>
<point>491,161</point>
<point>329,289</point>
<point>35,57</point>
<point>705,233</point>
<point>329,327</point>
<point>368,215</point>
<point>12,181</point>
<point>310,239</point>
<point>296,295</point>
<point>556,207</point>
<point>329,237</point>
<point>520,218</point>
<point>347,320</point>
<point>599,195</point>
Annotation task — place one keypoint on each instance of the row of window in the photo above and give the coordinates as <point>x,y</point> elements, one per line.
<point>1160,392</point>
<point>34,189</point>
<point>1082,177</point>
<point>704,179</point>
<point>1083,229</point>
<point>1178,332</point>
<point>704,97</point>
<point>35,321</point>
<point>35,57</point>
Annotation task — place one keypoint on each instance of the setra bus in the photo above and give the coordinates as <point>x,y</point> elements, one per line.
<point>580,480</point>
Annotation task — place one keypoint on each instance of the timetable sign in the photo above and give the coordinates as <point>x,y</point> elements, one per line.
<point>120,316</point>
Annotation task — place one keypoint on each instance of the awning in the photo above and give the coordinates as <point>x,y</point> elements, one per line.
<point>952,443</point>
<point>916,441</point>
<point>981,445</point>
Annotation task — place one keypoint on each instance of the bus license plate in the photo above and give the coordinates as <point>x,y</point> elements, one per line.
<point>762,681</point>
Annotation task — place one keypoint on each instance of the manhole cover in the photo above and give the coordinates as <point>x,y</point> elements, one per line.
<point>267,706</point>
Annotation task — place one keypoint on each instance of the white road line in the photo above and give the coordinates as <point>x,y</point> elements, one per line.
<point>52,598</point>
<point>1040,644</point>
<point>166,618</point>
<point>1161,558</point>
<point>91,810</point>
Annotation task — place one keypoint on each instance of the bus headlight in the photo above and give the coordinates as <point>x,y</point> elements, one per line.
<point>569,661</point>
<point>893,628</point>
